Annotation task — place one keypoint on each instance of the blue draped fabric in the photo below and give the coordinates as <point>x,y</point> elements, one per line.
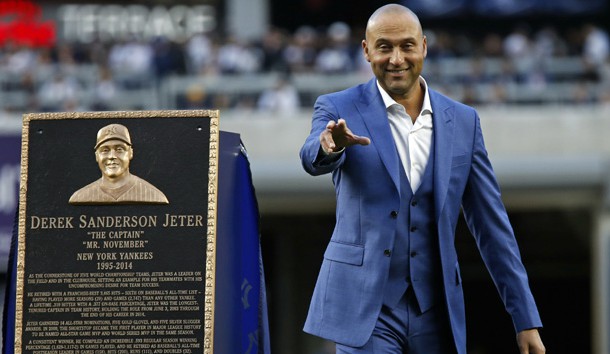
<point>241,324</point>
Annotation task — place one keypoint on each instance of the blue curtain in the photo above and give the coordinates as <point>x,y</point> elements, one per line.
<point>241,307</point>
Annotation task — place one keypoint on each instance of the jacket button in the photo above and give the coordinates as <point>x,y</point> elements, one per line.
<point>413,254</point>
<point>394,214</point>
<point>387,253</point>
<point>413,228</point>
<point>414,203</point>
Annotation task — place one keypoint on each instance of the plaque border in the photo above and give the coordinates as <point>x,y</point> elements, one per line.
<point>210,266</point>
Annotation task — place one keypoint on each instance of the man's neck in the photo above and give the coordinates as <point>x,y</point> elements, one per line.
<point>116,182</point>
<point>413,101</point>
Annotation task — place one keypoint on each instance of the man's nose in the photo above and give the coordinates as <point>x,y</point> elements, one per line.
<point>396,58</point>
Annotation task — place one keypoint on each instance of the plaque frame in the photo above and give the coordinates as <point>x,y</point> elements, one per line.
<point>212,205</point>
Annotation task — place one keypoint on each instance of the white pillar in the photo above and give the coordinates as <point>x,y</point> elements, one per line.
<point>247,19</point>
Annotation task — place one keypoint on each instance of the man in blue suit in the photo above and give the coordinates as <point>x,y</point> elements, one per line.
<point>405,160</point>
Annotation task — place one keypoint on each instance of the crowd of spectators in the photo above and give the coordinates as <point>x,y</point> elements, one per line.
<point>95,76</point>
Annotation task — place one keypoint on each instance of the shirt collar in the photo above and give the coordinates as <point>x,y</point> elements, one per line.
<point>389,101</point>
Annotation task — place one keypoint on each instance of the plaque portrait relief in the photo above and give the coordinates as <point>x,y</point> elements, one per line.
<point>109,262</point>
<point>117,185</point>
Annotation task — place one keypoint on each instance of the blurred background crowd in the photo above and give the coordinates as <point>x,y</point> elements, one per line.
<point>286,70</point>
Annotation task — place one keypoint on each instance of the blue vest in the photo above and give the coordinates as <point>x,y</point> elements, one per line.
<point>416,257</point>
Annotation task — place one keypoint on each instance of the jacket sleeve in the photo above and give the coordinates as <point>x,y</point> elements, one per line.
<point>313,159</point>
<point>488,222</point>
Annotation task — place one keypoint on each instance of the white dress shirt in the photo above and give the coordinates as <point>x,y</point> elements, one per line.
<point>413,140</point>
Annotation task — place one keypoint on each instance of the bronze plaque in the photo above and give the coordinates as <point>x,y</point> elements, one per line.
<point>117,230</point>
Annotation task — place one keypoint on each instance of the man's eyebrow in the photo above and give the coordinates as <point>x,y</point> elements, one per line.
<point>388,40</point>
<point>397,43</point>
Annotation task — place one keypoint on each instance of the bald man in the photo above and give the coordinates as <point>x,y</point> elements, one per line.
<point>405,160</point>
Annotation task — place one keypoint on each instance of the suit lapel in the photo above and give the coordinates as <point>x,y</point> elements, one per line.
<point>374,115</point>
<point>443,124</point>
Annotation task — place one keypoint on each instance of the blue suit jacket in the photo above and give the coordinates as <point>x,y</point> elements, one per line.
<point>349,292</point>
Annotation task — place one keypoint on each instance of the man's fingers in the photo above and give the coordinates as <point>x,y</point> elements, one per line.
<point>327,142</point>
<point>337,136</point>
<point>529,342</point>
<point>326,138</point>
<point>362,140</point>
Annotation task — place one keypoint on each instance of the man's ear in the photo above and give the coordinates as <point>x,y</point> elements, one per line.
<point>365,50</point>
<point>130,152</point>
<point>425,45</point>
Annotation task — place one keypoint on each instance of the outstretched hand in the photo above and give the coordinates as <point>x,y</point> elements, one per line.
<point>529,342</point>
<point>337,136</point>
